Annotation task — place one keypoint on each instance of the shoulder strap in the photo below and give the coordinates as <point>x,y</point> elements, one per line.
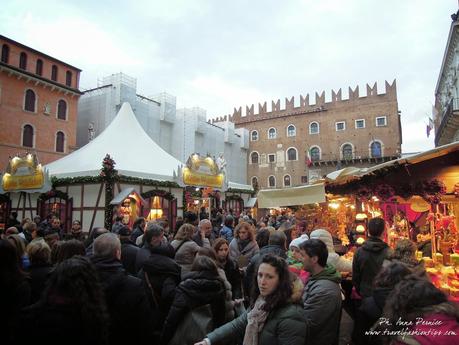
<point>180,245</point>
<point>152,291</point>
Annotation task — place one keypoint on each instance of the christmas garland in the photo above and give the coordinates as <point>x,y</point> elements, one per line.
<point>109,175</point>
<point>152,193</point>
<point>245,191</point>
<point>53,193</point>
<point>67,181</point>
<point>429,190</point>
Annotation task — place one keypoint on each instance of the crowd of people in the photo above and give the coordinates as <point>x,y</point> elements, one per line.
<point>224,280</point>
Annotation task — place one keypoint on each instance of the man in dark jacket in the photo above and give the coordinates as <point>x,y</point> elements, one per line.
<point>128,250</point>
<point>321,296</point>
<point>369,258</point>
<point>276,246</point>
<point>159,272</point>
<point>117,225</point>
<point>128,308</point>
<point>206,226</point>
<point>153,243</point>
<point>138,228</point>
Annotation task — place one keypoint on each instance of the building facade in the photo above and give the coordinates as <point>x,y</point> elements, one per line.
<point>446,112</point>
<point>38,103</point>
<point>292,146</point>
<point>179,132</point>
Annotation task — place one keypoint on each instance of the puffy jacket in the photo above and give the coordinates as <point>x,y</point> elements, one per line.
<point>341,264</point>
<point>367,263</point>
<point>197,289</point>
<point>185,252</point>
<point>226,233</point>
<point>322,307</point>
<point>164,276</point>
<point>283,326</point>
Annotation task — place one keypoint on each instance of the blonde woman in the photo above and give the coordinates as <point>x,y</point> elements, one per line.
<point>185,248</point>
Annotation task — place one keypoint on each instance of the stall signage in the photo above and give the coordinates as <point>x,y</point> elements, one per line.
<point>23,173</point>
<point>203,171</point>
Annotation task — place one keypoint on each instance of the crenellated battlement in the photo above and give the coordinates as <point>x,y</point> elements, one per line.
<point>305,106</point>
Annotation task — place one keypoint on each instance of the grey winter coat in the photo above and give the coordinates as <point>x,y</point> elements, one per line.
<point>322,307</point>
<point>242,257</point>
<point>185,255</point>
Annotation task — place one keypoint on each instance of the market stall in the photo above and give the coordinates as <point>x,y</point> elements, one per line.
<point>85,182</point>
<point>418,196</point>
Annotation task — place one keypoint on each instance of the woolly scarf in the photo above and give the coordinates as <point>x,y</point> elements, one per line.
<point>256,319</point>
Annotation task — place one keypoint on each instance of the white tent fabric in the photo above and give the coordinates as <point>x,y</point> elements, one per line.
<point>302,195</point>
<point>133,151</point>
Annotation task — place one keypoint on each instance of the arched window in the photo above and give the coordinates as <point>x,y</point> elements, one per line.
<point>62,110</point>
<point>254,136</point>
<point>272,133</point>
<point>30,100</point>
<point>254,182</point>
<point>54,73</point>
<point>376,149</point>
<point>315,154</point>
<point>314,128</point>
<point>271,181</point>
<point>5,53</point>
<point>68,78</point>
<point>292,154</point>
<point>39,68</point>
<point>347,151</point>
<point>254,158</point>
<point>23,61</point>
<point>60,141</point>
<point>291,131</point>
<point>27,136</point>
<point>287,181</point>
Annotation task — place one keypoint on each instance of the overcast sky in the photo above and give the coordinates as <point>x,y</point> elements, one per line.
<point>224,54</point>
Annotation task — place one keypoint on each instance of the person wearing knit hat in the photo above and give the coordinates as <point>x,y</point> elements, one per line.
<point>340,263</point>
<point>295,260</point>
<point>297,241</point>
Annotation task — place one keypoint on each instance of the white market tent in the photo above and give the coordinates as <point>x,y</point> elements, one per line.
<point>142,157</point>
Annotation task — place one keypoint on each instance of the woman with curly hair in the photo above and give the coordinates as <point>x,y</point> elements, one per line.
<point>185,248</point>
<point>419,313</point>
<point>274,317</point>
<point>71,310</point>
<point>243,246</point>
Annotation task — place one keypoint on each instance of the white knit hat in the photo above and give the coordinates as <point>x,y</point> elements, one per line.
<point>298,241</point>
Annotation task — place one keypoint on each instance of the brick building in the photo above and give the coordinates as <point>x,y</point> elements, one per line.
<point>292,146</point>
<point>38,103</point>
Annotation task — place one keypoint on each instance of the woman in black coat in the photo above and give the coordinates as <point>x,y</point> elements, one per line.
<point>15,290</point>
<point>201,286</point>
<point>230,267</point>
<point>40,267</point>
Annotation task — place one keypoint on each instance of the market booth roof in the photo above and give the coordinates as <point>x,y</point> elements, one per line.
<point>294,196</point>
<point>134,152</point>
<point>349,174</point>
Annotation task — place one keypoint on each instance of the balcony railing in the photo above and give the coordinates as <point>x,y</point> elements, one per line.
<point>357,157</point>
<point>449,119</point>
